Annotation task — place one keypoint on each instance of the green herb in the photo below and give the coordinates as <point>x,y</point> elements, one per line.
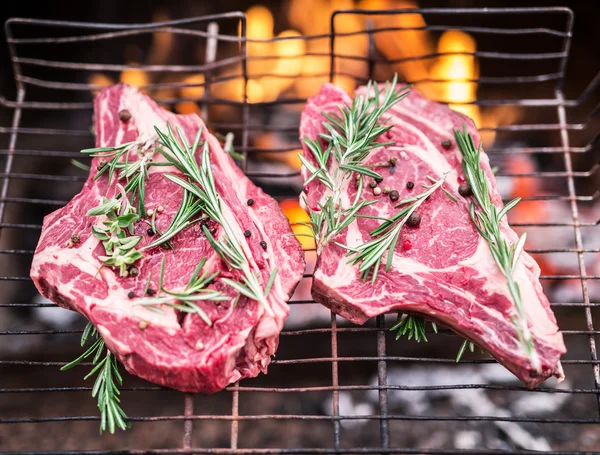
<point>413,326</point>
<point>189,208</point>
<point>80,165</point>
<point>194,291</point>
<point>463,348</point>
<point>486,218</point>
<point>134,172</point>
<point>350,137</point>
<point>228,145</point>
<point>199,183</point>
<point>106,387</point>
<point>371,254</point>
<point>120,249</point>
<point>115,153</point>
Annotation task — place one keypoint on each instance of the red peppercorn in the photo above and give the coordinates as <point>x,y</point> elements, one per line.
<point>407,244</point>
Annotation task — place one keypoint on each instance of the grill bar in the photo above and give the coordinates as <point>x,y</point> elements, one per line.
<point>284,417</point>
<point>335,396</point>
<point>324,389</point>
<point>296,451</point>
<point>579,243</point>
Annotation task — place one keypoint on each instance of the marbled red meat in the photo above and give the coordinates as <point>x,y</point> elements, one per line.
<point>170,349</point>
<point>442,269</point>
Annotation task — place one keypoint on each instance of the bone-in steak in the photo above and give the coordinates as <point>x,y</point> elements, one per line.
<point>173,349</point>
<point>442,269</point>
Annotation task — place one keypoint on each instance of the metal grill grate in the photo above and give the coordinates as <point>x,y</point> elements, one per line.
<point>48,127</point>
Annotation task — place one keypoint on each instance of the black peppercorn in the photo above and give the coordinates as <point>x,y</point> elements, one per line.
<point>464,189</point>
<point>410,185</point>
<point>150,292</point>
<point>372,183</point>
<point>133,271</point>
<point>131,294</point>
<point>393,160</point>
<point>394,195</point>
<point>446,144</point>
<point>150,232</point>
<point>247,233</point>
<point>124,115</point>
<point>250,202</point>
<point>75,238</point>
<point>414,219</point>
<point>379,179</point>
<point>263,244</point>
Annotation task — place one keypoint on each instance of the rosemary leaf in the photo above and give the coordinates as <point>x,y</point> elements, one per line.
<point>195,291</point>
<point>463,348</point>
<point>414,326</point>
<point>106,386</point>
<point>486,217</point>
<point>350,135</point>
<point>370,255</point>
<point>199,187</point>
<point>80,165</point>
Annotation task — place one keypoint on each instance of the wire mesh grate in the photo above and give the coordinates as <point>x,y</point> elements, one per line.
<point>304,404</point>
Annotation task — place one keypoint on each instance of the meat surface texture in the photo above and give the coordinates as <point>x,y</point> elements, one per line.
<point>442,269</point>
<point>173,349</point>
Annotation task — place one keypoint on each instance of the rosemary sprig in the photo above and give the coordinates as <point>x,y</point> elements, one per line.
<point>189,208</point>
<point>114,153</point>
<point>106,387</point>
<point>486,218</point>
<point>371,254</point>
<point>120,249</point>
<point>414,326</point>
<point>199,184</point>
<point>350,136</point>
<point>135,173</point>
<point>186,299</point>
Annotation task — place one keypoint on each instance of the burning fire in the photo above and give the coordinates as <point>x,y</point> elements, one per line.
<point>295,214</point>
<point>293,65</point>
<point>459,69</point>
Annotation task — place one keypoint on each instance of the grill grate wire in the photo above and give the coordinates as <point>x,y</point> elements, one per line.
<point>212,39</point>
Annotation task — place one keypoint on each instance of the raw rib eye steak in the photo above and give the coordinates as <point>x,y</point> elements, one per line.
<point>171,348</point>
<point>442,269</point>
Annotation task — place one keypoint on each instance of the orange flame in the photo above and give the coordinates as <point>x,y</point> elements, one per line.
<point>295,214</point>
<point>99,80</point>
<point>459,69</point>
<point>402,44</point>
<point>135,77</point>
